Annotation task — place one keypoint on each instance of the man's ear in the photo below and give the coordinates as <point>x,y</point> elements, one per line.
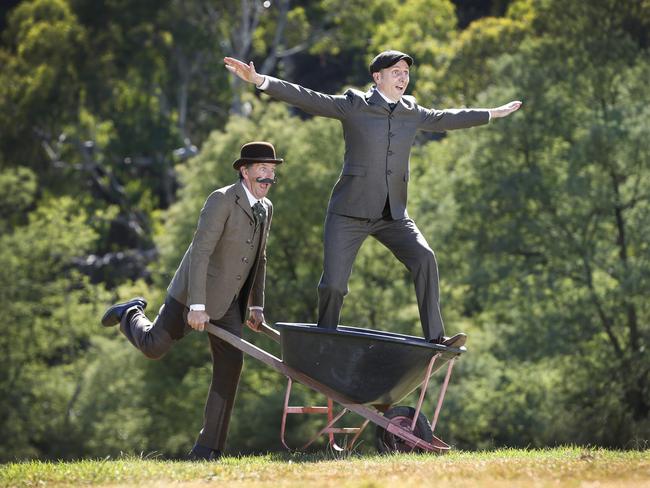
<point>375,77</point>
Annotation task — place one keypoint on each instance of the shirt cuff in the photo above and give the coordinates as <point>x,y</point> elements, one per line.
<point>256,308</point>
<point>264,85</point>
<point>197,307</point>
<point>489,116</point>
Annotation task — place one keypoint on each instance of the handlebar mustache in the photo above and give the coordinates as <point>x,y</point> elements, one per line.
<point>266,180</point>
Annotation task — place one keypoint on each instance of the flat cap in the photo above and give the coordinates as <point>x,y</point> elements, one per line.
<point>387,59</point>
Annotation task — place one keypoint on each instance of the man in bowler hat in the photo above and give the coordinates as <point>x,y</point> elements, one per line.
<point>221,274</point>
<point>370,196</point>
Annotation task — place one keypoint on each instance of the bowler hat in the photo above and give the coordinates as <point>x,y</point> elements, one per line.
<point>256,152</point>
<point>387,59</point>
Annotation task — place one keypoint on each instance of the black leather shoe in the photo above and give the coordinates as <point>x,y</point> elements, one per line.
<point>457,340</point>
<point>202,453</point>
<point>114,313</point>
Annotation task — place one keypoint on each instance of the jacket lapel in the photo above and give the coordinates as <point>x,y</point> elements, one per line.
<point>242,201</point>
<point>401,105</point>
<point>374,98</point>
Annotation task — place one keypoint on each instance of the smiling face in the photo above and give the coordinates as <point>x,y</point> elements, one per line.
<point>250,173</point>
<point>392,81</point>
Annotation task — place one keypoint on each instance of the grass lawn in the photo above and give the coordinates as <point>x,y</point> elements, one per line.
<point>564,467</point>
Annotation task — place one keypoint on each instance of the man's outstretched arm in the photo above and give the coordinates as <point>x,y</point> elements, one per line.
<point>310,101</point>
<point>452,119</point>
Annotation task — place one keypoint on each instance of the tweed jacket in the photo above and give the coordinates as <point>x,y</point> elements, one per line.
<point>377,143</point>
<point>216,266</point>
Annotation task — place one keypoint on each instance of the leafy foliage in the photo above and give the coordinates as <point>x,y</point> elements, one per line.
<point>540,221</point>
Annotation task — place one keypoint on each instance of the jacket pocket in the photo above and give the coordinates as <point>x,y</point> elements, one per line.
<point>353,170</point>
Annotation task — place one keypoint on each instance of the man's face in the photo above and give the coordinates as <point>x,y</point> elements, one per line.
<point>258,170</point>
<point>392,81</point>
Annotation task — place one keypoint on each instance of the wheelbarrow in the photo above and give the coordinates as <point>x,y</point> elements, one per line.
<point>364,371</point>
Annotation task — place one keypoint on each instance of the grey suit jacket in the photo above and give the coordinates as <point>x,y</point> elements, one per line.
<point>377,143</point>
<point>214,268</point>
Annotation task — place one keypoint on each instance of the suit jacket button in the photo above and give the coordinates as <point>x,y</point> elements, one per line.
<point>390,153</point>
<point>391,134</point>
<point>244,260</point>
<point>239,277</point>
<point>248,241</point>
<point>389,172</point>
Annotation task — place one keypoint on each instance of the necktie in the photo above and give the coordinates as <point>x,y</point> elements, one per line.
<point>392,106</point>
<point>259,213</point>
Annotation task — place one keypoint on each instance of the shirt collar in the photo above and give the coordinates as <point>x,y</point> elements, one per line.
<point>388,100</point>
<point>251,199</point>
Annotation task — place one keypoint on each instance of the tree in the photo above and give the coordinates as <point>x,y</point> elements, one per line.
<point>551,210</point>
<point>41,48</point>
<point>46,305</point>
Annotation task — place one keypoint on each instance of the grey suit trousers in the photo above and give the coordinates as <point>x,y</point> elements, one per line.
<point>342,240</point>
<point>155,338</point>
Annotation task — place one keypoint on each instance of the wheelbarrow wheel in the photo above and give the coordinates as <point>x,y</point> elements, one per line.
<point>403,416</point>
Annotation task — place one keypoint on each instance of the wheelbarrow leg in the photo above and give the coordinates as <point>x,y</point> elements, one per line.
<point>346,430</point>
<point>356,436</point>
<point>284,414</point>
<point>441,397</point>
<point>423,391</point>
<point>328,429</point>
<point>296,410</point>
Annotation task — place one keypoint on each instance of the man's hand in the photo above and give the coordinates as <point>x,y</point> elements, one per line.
<point>245,71</point>
<point>504,110</point>
<point>197,319</point>
<point>255,319</point>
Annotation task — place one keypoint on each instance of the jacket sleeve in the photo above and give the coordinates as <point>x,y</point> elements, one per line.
<point>451,119</point>
<point>310,101</point>
<point>212,220</point>
<point>256,296</point>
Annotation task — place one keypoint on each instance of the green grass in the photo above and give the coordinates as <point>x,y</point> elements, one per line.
<point>565,467</point>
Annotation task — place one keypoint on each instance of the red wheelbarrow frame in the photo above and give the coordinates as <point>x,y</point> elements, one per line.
<point>370,414</point>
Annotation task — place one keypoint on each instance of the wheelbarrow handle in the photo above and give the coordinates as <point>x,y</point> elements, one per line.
<point>270,332</point>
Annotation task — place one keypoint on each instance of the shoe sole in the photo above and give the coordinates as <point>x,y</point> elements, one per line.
<point>114,320</point>
<point>459,342</point>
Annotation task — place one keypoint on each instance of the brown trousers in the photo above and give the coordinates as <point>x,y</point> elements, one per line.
<point>155,338</point>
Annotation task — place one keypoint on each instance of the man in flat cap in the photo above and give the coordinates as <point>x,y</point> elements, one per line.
<point>222,272</point>
<point>370,196</point>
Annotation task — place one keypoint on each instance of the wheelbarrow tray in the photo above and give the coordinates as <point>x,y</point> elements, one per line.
<point>369,367</point>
